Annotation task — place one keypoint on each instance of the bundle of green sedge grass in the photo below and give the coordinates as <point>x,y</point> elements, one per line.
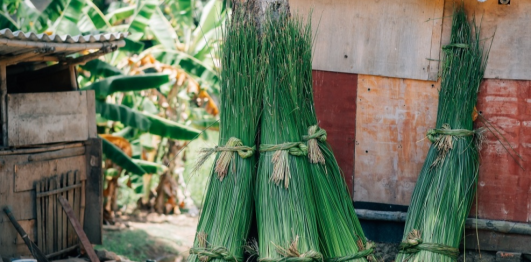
<point>285,207</point>
<point>228,207</point>
<point>446,186</point>
<point>340,233</point>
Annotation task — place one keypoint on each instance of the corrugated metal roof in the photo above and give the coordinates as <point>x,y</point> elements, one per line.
<point>79,39</point>
<point>18,42</point>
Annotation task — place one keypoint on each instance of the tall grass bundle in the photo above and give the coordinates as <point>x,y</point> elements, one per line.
<point>446,186</point>
<point>340,232</point>
<point>228,207</point>
<point>287,229</point>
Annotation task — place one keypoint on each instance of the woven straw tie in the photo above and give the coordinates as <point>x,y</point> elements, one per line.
<point>205,254</point>
<point>314,152</point>
<point>292,254</point>
<point>280,159</point>
<point>443,139</point>
<point>227,154</point>
<point>413,244</point>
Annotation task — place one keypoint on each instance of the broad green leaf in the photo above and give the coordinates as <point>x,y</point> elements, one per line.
<point>96,16</point>
<point>210,19</point>
<point>99,68</point>
<point>149,107</point>
<point>170,129</point>
<point>111,172</point>
<point>188,63</point>
<point>142,16</point>
<point>118,157</point>
<point>113,84</point>
<point>123,114</point>
<point>7,22</point>
<point>163,30</point>
<point>120,14</point>
<point>132,46</point>
<point>64,14</point>
<point>150,167</point>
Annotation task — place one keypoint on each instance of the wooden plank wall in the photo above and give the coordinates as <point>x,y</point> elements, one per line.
<point>386,37</point>
<point>41,118</point>
<point>392,119</point>
<point>19,171</point>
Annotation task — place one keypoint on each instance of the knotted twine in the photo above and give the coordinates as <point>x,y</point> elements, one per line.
<point>227,154</point>
<point>292,254</point>
<point>205,254</point>
<point>280,159</point>
<point>314,152</point>
<point>443,139</point>
<point>413,244</point>
<point>363,252</point>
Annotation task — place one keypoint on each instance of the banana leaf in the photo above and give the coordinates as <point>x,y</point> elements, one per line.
<point>64,14</point>
<point>120,14</point>
<point>162,29</point>
<point>114,84</point>
<point>150,167</point>
<point>123,114</point>
<point>118,157</point>
<point>210,19</point>
<point>96,16</point>
<point>132,46</point>
<point>98,68</point>
<point>170,129</point>
<point>188,63</point>
<point>142,17</point>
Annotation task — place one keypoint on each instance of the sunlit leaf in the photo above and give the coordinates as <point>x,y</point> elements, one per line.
<point>118,157</point>
<point>113,84</point>
<point>123,114</point>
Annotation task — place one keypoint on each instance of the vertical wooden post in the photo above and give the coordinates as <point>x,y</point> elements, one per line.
<point>3,103</point>
<point>73,77</point>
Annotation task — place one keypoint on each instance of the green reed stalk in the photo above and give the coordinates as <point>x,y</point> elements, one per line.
<point>228,207</point>
<point>446,186</point>
<point>285,209</point>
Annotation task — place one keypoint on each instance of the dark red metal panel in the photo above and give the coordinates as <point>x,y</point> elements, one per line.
<point>335,104</point>
<point>504,189</point>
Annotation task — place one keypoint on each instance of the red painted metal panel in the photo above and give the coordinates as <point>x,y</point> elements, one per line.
<point>335,104</point>
<point>504,190</point>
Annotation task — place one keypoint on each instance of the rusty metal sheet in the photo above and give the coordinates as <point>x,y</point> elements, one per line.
<point>504,189</point>
<point>387,37</point>
<point>335,105</point>
<point>392,119</point>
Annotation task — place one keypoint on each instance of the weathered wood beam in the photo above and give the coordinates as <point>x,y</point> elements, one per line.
<point>3,103</point>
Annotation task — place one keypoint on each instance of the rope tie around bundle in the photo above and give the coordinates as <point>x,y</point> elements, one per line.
<point>280,159</point>
<point>443,139</point>
<point>226,155</point>
<point>363,252</point>
<point>413,244</point>
<point>205,254</point>
<point>292,254</point>
<point>314,152</point>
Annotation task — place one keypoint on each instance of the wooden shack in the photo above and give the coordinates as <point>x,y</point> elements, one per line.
<point>49,146</point>
<point>376,93</point>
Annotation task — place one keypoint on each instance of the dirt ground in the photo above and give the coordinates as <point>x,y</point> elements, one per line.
<point>168,239</point>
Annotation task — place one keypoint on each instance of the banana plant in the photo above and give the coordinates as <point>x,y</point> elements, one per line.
<point>162,83</point>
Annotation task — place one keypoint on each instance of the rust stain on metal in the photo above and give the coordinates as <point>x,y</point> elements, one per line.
<point>335,105</point>
<point>393,116</point>
<point>504,188</point>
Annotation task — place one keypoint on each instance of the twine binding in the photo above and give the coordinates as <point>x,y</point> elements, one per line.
<point>292,254</point>
<point>443,139</point>
<point>205,254</point>
<point>413,244</point>
<point>363,252</point>
<point>280,159</point>
<point>226,156</point>
<point>314,152</point>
